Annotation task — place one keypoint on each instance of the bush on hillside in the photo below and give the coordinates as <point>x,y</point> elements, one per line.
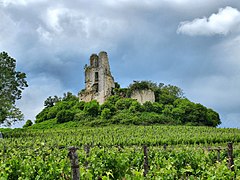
<point>92,108</point>
<point>82,116</point>
<point>124,103</point>
<point>64,116</point>
<point>52,113</point>
<point>106,113</point>
<point>109,106</point>
<point>135,107</point>
<point>43,115</point>
<point>28,123</point>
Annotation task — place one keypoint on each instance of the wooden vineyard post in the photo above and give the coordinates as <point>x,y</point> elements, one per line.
<point>145,162</point>
<point>230,157</point>
<point>87,151</point>
<point>218,154</point>
<point>72,154</point>
<point>165,146</point>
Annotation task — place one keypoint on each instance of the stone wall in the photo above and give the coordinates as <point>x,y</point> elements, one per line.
<point>99,82</point>
<point>98,79</point>
<point>143,96</point>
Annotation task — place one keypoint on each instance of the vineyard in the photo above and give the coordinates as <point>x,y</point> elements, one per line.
<point>116,152</point>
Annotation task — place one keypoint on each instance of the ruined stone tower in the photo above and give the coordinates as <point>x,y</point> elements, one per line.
<point>99,82</point>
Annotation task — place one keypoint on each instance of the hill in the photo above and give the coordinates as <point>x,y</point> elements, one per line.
<point>170,107</point>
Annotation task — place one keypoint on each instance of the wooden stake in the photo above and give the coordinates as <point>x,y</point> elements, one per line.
<point>230,157</point>
<point>218,154</point>
<point>74,163</point>
<point>87,151</point>
<point>145,165</point>
<point>165,146</point>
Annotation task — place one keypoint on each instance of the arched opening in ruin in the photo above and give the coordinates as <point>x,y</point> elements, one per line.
<point>96,76</point>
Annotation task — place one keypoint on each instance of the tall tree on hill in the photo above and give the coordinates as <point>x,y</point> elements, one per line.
<point>12,84</point>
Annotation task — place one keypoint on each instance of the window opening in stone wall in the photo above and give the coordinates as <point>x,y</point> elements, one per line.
<point>96,76</point>
<point>91,62</point>
<point>97,88</point>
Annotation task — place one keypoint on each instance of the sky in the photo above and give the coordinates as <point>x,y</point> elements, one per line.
<point>194,45</point>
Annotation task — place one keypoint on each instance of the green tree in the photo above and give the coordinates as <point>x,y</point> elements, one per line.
<point>110,106</point>
<point>167,94</point>
<point>92,108</point>
<point>64,116</point>
<point>213,118</point>
<point>148,106</point>
<point>124,103</point>
<point>106,113</point>
<point>79,105</point>
<point>12,84</point>
<point>50,101</point>
<point>28,123</point>
<point>135,107</point>
<point>69,97</point>
<point>142,85</point>
<point>43,115</point>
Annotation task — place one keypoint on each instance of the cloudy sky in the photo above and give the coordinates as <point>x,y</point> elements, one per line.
<point>194,45</point>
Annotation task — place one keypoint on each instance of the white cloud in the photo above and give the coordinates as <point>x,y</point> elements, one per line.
<point>19,2</point>
<point>84,29</point>
<point>8,28</point>
<point>33,96</point>
<point>44,35</point>
<point>227,20</point>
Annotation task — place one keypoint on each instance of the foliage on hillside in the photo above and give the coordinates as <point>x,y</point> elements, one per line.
<point>170,108</point>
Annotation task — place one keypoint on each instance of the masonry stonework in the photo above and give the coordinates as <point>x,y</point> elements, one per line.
<point>99,83</point>
<point>143,96</point>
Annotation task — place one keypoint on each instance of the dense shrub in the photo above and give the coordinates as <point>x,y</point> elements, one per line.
<point>109,106</point>
<point>92,108</point>
<point>64,116</point>
<point>149,118</point>
<point>125,117</point>
<point>43,115</point>
<point>28,123</point>
<point>63,105</point>
<point>124,103</point>
<point>81,116</point>
<point>148,106</point>
<point>113,99</point>
<point>213,118</point>
<point>79,105</point>
<point>52,113</point>
<point>157,107</point>
<point>106,113</point>
<point>135,107</point>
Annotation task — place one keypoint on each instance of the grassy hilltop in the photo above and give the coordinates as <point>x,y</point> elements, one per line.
<point>170,107</point>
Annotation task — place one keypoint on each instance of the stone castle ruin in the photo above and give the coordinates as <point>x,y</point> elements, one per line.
<point>143,96</point>
<point>99,83</point>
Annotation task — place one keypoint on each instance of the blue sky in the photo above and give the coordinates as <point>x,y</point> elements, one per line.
<point>191,44</point>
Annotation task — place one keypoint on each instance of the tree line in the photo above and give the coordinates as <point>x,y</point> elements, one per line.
<point>170,107</point>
